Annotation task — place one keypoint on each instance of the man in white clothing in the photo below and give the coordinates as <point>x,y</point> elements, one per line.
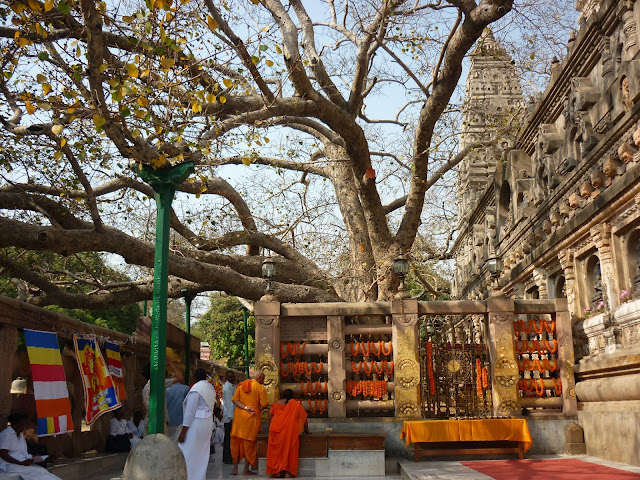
<point>228,407</point>
<point>197,426</point>
<point>14,457</point>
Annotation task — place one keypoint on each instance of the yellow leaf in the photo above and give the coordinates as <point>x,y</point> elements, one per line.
<point>132,70</point>
<point>98,121</point>
<point>102,68</point>
<point>34,5</point>
<point>71,109</point>
<point>167,62</point>
<point>40,30</point>
<point>196,107</point>
<point>222,99</point>
<point>255,2</point>
<point>145,72</point>
<point>158,130</point>
<point>41,78</point>
<point>266,29</point>
<point>17,7</point>
<point>227,82</point>
<point>211,98</point>
<point>246,161</point>
<point>191,179</point>
<point>159,162</point>
<point>197,194</point>
<point>48,5</point>
<point>278,49</point>
<point>57,155</point>
<point>57,129</point>
<point>44,106</point>
<point>63,142</point>
<point>31,109</point>
<point>22,42</point>
<point>211,22</point>
<point>143,102</point>
<point>269,63</point>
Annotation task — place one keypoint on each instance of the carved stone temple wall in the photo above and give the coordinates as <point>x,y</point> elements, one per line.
<point>560,205</point>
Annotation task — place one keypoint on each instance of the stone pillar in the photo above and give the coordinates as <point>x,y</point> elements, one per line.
<point>337,370</point>
<point>601,235</point>
<point>8,347</point>
<point>504,371</point>
<point>566,262</point>
<point>406,358</point>
<point>267,314</point>
<point>565,357</point>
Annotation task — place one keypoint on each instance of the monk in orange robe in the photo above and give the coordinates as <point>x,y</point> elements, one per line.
<point>250,398</point>
<point>287,421</point>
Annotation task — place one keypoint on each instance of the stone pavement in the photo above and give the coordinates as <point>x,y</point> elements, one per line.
<point>424,470</point>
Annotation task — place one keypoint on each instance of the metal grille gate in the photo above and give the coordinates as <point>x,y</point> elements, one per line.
<point>455,375</point>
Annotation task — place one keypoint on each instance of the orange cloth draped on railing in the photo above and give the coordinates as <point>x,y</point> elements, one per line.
<point>489,429</point>
<point>284,430</point>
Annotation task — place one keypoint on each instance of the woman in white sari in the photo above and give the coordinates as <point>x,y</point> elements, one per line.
<point>197,426</point>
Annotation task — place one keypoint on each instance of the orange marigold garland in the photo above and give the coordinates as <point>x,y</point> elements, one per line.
<point>353,366</point>
<point>312,406</point>
<point>365,354</point>
<point>389,368</point>
<point>368,369</point>
<point>533,325</point>
<point>479,376</point>
<point>319,406</point>
<point>539,392</point>
<point>283,371</point>
<point>384,351</point>
<point>557,383</point>
<point>316,368</point>
<point>432,381</point>
<point>549,347</point>
<point>354,352</point>
<point>485,378</point>
<point>548,366</point>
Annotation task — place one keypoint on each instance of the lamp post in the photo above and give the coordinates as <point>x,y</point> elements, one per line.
<point>494,267</point>
<point>164,182</point>
<point>188,298</point>
<point>401,268</point>
<point>268,272</point>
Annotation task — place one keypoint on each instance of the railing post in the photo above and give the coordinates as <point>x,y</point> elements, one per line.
<point>406,358</point>
<point>504,371</point>
<point>267,314</point>
<point>336,363</point>
<point>565,357</point>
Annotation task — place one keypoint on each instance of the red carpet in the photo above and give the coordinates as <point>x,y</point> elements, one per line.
<point>552,469</point>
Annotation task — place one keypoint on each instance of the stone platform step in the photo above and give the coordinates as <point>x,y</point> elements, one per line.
<point>339,463</point>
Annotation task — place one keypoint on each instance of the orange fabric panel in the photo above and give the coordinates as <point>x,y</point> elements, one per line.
<point>242,448</point>
<point>486,429</point>
<point>53,407</point>
<point>284,437</point>
<point>246,425</point>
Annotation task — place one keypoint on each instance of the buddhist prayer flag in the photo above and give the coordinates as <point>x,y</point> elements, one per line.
<point>49,383</point>
<point>114,361</point>
<point>99,390</point>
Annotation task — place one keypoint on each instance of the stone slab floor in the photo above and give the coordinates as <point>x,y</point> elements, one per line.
<point>424,470</point>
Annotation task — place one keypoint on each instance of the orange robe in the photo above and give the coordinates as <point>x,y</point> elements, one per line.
<point>245,428</point>
<point>286,426</point>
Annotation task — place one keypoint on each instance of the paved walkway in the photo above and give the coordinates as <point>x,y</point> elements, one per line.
<point>424,470</point>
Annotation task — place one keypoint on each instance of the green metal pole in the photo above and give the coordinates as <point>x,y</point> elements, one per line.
<point>188,297</point>
<point>246,342</point>
<point>164,183</point>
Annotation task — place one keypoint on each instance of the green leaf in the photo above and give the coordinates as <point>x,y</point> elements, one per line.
<point>263,48</point>
<point>43,56</point>
<point>64,7</point>
<point>147,27</point>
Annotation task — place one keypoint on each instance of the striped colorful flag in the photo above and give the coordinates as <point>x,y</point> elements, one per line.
<point>114,361</point>
<point>49,383</point>
<point>99,391</point>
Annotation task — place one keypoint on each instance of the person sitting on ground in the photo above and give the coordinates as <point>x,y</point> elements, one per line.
<point>136,426</point>
<point>119,434</point>
<point>14,457</point>
<point>146,391</point>
<point>287,420</point>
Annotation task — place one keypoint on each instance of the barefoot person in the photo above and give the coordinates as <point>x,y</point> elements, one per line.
<point>13,452</point>
<point>287,420</point>
<point>250,398</point>
<point>197,425</point>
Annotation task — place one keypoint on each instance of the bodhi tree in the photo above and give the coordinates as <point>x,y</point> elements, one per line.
<point>337,110</point>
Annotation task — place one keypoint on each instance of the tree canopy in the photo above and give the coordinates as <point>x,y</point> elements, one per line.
<point>222,325</point>
<point>322,132</point>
